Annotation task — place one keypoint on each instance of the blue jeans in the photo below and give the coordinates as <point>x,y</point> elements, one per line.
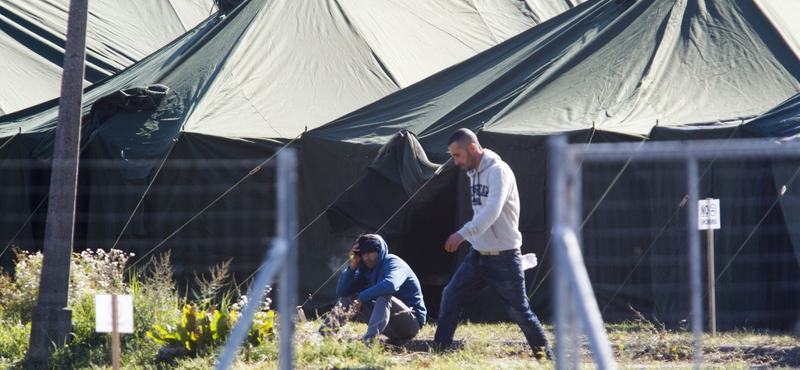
<point>503,273</point>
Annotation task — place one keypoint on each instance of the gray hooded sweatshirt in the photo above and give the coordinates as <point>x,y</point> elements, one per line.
<point>495,203</point>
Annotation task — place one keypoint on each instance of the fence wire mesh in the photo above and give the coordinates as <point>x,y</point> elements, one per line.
<point>637,216</point>
<point>198,210</point>
<point>635,246</point>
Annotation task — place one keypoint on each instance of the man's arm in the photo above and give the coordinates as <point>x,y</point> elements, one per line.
<point>348,283</point>
<point>395,276</point>
<point>349,280</point>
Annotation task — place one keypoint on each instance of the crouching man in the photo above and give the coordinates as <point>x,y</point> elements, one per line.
<point>382,291</point>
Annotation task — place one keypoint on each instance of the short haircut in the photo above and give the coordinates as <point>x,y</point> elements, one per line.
<point>463,137</point>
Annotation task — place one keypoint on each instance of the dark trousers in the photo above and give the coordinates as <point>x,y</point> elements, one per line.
<point>385,315</point>
<point>503,273</point>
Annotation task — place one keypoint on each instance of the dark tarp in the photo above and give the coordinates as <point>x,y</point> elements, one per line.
<point>401,179</point>
<point>754,253</point>
<point>783,121</point>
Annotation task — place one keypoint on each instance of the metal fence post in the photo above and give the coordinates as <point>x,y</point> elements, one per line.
<point>694,259</point>
<point>557,186</point>
<point>576,306</point>
<point>281,258</point>
<point>287,228</point>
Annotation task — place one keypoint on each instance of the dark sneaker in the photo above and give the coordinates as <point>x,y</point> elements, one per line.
<point>543,353</point>
<point>397,342</point>
<point>439,347</point>
<point>368,339</point>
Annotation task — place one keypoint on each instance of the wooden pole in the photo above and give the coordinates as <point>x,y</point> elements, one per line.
<point>712,307</point>
<point>52,318</point>
<point>114,332</point>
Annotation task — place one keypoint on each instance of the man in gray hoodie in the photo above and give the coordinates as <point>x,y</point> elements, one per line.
<point>494,260</point>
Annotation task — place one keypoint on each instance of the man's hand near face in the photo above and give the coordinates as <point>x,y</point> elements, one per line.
<point>355,257</point>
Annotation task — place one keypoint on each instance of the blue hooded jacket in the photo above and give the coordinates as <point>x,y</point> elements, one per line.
<point>391,276</point>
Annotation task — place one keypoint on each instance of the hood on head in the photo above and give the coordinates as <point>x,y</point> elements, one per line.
<point>377,244</point>
<point>383,249</point>
<point>374,275</point>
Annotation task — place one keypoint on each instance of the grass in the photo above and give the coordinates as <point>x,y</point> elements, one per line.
<point>637,344</point>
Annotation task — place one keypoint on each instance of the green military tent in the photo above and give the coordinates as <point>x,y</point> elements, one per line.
<point>781,121</point>
<point>118,34</point>
<point>169,135</point>
<point>605,71</point>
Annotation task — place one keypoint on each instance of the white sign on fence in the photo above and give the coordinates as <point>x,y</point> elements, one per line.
<point>708,215</point>
<point>104,314</point>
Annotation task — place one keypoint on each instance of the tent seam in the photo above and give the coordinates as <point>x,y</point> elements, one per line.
<point>485,22</point>
<point>254,106</point>
<point>670,28</point>
<point>378,60</point>
<point>175,11</point>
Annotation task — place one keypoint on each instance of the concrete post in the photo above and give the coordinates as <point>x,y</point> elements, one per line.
<point>51,317</point>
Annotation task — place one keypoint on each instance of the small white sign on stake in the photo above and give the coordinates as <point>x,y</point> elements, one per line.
<point>104,314</point>
<point>708,214</point>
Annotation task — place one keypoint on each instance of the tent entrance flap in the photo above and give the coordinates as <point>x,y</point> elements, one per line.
<point>423,246</point>
<point>397,185</point>
<point>403,198</point>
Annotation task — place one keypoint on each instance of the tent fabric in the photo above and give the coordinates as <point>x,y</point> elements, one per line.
<point>505,91</point>
<point>637,64</point>
<point>33,34</point>
<point>301,64</point>
<point>783,121</point>
<point>400,167</point>
<point>262,68</point>
<point>241,85</point>
<point>603,71</point>
<point>729,47</point>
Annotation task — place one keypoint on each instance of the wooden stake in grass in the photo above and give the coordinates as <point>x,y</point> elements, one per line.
<point>114,332</point>
<point>114,314</point>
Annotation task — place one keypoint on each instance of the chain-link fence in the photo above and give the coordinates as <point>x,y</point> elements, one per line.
<point>203,212</point>
<point>634,207</point>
